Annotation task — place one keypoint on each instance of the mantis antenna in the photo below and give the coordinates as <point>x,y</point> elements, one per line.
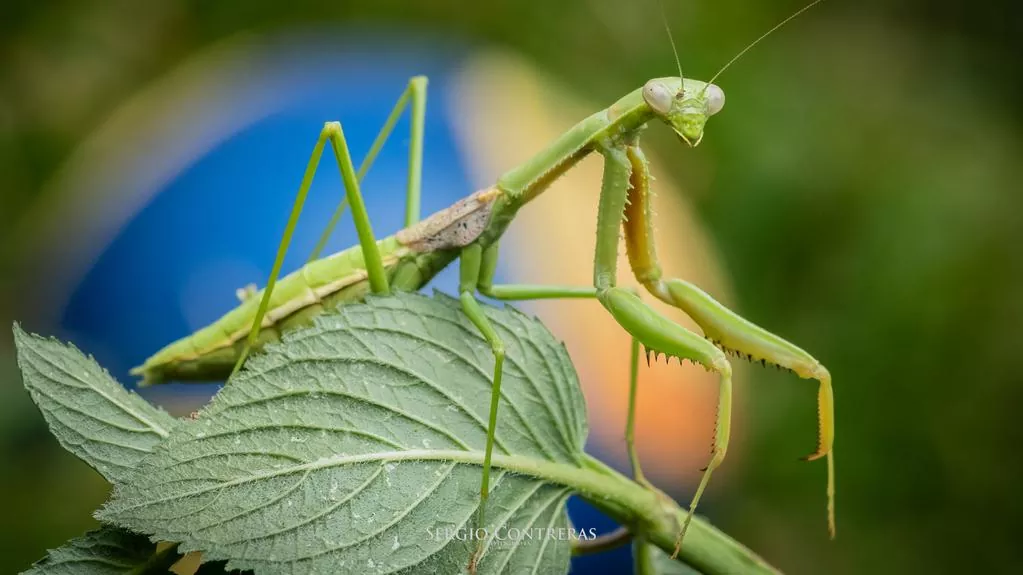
<point>671,39</point>
<point>758,40</point>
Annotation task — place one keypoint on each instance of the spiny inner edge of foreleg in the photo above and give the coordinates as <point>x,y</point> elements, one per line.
<point>656,354</point>
<point>747,356</point>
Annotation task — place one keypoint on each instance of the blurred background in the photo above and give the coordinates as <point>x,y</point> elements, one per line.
<point>859,195</point>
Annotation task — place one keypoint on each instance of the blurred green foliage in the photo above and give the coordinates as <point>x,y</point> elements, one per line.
<point>862,187</point>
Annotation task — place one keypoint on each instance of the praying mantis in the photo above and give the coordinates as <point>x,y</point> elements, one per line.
<point>470,231</point>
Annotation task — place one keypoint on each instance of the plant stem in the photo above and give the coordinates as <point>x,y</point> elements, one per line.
<point>162,560</point>
<point>601,543</point>
<point>705,548</point>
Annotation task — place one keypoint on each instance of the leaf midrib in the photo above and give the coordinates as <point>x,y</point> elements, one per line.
<point>560,473</point>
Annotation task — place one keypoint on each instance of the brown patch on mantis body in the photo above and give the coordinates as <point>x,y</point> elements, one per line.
<point>454,227</point>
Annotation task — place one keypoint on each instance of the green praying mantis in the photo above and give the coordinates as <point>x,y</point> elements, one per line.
<point>470,230</point>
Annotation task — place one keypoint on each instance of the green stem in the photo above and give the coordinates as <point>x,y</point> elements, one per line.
<point>706,548</point>
<point>601,543</point>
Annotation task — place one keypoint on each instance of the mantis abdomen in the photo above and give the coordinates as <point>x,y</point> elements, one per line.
<point>210,353</point>
<point>411,258</point>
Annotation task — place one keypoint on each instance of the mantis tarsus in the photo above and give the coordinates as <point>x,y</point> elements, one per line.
<point>469,231</point>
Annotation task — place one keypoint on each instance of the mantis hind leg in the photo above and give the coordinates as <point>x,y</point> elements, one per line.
<point>332,133</point>
<point>414,96</point>
<point>725,328</point>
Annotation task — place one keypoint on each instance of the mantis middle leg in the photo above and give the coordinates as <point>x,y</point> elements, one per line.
<point>525,292</point>
<point>477,270</point>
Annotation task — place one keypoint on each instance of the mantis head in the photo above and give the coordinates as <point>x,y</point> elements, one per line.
<point>684,105</point>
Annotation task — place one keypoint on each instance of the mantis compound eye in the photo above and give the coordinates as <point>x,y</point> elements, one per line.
<point>658,96</point>
<point>715,99</point>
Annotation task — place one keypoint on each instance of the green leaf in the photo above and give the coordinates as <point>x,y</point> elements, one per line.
<point>89,413</point>
<point>105,551</point>
<point>356,446</point>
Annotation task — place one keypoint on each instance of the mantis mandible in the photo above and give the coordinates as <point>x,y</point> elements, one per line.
<point>470,230</point>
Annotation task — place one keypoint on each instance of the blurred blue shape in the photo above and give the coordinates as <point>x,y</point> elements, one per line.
<point>215,228</point>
